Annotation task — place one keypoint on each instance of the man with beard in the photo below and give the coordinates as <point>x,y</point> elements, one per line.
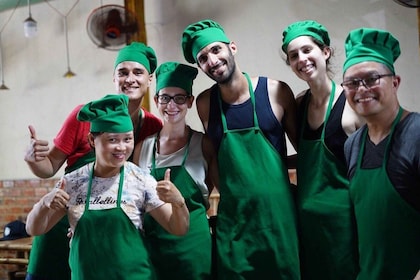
<point>246,119</point>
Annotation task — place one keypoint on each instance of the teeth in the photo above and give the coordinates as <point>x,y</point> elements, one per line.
<point>366,99</point>
<point>306,68</point>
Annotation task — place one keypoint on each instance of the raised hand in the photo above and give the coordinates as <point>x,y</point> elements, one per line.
<point>57,198</point>
<point>168,192</point>
<point>37,149</point>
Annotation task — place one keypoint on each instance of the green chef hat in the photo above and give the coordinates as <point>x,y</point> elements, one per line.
<point>198,35</point>
<point>140,53</point>
<point>174,74</point>
<point>305,28</point>
<point>367,44</point>
<point>109,114</point>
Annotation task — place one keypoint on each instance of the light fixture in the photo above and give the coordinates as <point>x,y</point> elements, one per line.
<point>69,73</point>
<point>29,25</point>
<point>2,86</point>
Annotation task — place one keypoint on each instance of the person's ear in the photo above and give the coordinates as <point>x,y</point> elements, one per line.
<point>91,140</point>
<point>233,48</point>
<point>190,101</point>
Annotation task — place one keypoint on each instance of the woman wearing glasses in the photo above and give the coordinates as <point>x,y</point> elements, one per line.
<point>327,231</point>
<point>190,157</point>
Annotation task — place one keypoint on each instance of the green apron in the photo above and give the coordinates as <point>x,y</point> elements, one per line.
<point>180,257</point>
<point>388,227</point>
<point>256,231</point>
<point>49,257</point>
<point>326,225</point>
<point>106,244</point>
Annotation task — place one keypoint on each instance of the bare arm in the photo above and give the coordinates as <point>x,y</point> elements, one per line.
<point>203,107</point>
<point>42,161</point>
<point>48,211</point>
<point>212,178</point>
<point>174,215</point>
<point>283,104</point>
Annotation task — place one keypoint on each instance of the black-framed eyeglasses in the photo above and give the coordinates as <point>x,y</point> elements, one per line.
<point>178,99</point>
<point>371,81</point>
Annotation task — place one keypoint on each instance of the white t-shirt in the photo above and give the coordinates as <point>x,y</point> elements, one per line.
<point>138,194</point>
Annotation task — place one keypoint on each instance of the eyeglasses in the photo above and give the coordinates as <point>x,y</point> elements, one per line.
<point>178,99</point>
<point>371,81</point>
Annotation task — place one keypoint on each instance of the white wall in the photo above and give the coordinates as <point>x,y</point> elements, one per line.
<point>39,95</point>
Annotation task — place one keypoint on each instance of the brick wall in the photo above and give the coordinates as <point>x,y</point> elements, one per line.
<point>16,200</point>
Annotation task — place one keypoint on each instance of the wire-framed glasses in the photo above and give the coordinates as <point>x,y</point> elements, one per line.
<point>178,99</point>
<point>368,82</point>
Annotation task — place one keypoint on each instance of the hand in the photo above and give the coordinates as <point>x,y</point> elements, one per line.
<point>168,192</point>
<point>57,199</point>
<point>37,149</point>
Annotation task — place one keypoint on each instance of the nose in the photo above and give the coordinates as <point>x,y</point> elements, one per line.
<point>130,77</point>
<point>212,59</point>
<point>302,56</point>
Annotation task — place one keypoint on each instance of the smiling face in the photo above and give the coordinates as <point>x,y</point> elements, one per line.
<point>132,79</point>
<point>379,99</point>
<point>112,150</point>
<point>307,60</point>
<point>217,61</point>
<point>172,112</point>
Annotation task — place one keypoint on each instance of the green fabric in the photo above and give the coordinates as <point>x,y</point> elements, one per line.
<point>107,245</point>
<point>108,114</point>
<point>256,231</point>
<point>185,257</point>
<point>327,230</point>
<point>200,34</point>
<point>305,28</point>
<point>388,227</point>
<point>140,53</point>
<point>174,74</point>
<point>367,44</point>
<point>50,253</point>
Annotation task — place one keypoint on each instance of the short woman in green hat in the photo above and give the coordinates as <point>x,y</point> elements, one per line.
<point>190,156</point>
<point>327,230</point>
<point>106,200</point>
<point>133,71</point>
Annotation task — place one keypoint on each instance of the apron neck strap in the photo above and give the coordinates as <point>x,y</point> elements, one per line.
<point>327,113</point>
<point>251,93</point>
<point>89,190</point>
<point>388,142</point>
<point>185,151</point>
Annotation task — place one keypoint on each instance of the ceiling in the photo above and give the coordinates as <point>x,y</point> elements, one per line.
<point>11,4</point>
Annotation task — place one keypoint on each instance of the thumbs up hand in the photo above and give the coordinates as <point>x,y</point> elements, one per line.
<point>58,198</point>
<point>168,192</point>
<point>37,149</point>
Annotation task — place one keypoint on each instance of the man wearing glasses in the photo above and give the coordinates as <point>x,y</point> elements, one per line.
<point>383,159</point>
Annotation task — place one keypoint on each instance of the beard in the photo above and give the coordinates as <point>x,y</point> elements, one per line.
<point>227,75</point>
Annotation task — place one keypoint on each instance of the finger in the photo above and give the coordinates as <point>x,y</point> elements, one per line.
<point>168,174</point>
<point>32,132</point>
<point>62,184</point>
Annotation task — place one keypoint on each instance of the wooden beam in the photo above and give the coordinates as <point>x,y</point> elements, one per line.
<point>137,7</point>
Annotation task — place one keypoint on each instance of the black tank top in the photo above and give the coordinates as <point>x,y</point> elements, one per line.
<point>335,136</point>
<point>241,116</point>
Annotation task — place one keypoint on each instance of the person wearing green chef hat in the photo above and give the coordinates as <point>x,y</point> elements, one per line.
<point>191,157</point>
<point>383,159</point>
<point>133,71</point>
<point>328,241</point>
<point>247,120</point>
<point>106,200</point>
